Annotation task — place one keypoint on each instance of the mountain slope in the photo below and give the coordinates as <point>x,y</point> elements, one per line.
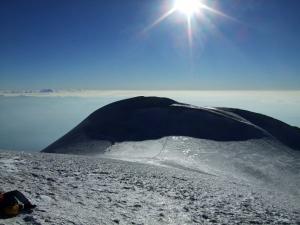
<point>150,118</point>
<point>283,132</point>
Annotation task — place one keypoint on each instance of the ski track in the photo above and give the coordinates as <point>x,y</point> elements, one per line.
<point>87,190</point>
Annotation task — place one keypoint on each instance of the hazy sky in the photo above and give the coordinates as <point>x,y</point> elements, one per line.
<point>101,44</point>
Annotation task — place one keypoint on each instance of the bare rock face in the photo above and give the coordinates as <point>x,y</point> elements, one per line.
<point>150,118</point>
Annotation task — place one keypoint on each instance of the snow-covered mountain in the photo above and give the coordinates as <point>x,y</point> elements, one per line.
<point>219,141</point>
<point>156,161</point>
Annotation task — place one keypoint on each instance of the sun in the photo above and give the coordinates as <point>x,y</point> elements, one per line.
<point>192,10</point>
<point>187,7</point>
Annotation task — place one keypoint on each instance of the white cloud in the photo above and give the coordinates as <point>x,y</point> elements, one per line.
<point>276,96</point>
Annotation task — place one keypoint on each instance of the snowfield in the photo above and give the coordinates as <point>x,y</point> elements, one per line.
<point>87,190</point>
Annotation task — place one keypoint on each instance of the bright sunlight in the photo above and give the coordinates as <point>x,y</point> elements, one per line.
<point>188,7</point>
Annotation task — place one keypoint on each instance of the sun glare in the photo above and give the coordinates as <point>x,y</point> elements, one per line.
<point>187,7</point>
<point>191,9</point>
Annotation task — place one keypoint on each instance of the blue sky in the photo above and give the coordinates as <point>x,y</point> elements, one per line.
<point>99,44</point>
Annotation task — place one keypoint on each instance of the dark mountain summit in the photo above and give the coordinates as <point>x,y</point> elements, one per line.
<point>148,118</point>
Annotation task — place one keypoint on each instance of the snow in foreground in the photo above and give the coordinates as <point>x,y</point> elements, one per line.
<point>87,190</point>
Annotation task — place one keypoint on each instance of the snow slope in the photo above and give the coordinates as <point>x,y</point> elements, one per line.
<point>256,161</point>
<point>85,190</point>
